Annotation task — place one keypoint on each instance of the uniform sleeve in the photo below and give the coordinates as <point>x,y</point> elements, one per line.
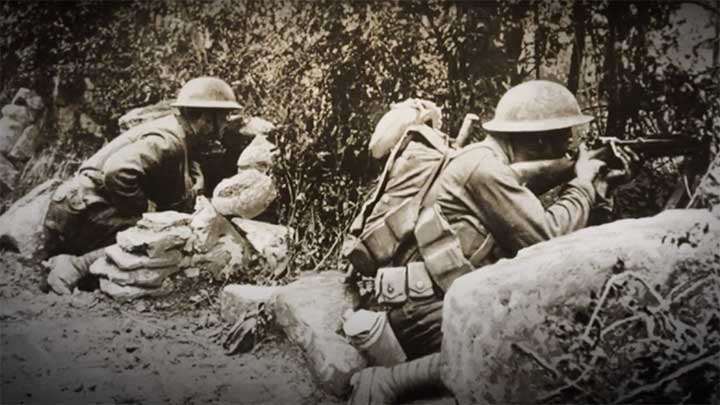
<point>126,170</point>
<point>516,217</point>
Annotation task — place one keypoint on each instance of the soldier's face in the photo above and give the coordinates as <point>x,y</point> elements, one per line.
<point>548,145</point>
<point>209,125</point>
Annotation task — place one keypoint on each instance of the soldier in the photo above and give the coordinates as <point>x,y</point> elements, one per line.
<point>481,213</point>
<point>155,161</point>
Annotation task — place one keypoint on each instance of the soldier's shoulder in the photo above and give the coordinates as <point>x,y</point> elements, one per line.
<point>163,126</point>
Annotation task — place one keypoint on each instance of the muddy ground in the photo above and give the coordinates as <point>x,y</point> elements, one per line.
<point>86,348</point>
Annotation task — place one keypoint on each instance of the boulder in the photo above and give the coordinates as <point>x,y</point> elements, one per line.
<point>129,293</point>
<point>140,278</point>
<point>310,313</point>
<point>151,242</point>
<point>246,194</point>
<point>26,145</point>
<point>229,256</point>
<point>632,306</point>
<point>160,221</point>
<point>237,299</point>
<point>258,155</point>
<point>28,98</point>
<point>17,113</point>
<point>21,226</point>
<point>127,261</point>
<point>8,174</point>
<point>139,115</point>
<point>270,240</point>
<point>207,226</point>
<point>10,131</point>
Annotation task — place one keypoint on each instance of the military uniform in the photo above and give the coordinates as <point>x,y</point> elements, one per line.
<point>111,189</point>
<point>490,215</point>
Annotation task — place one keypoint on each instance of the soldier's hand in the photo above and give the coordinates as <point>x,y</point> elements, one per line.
<point>586,166</point>
<point>63,275</point>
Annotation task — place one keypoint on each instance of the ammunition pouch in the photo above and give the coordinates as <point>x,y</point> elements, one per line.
<point>394,285</point>
<point>441,250</point>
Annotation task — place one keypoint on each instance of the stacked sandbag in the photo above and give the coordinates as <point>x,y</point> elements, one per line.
<point>162,244</point>
<point>251,191</point>
<point>19,135</point>
<point>144,256</point>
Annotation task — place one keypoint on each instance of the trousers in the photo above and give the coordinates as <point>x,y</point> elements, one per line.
<point>79,219</point>
<point>417,325</point>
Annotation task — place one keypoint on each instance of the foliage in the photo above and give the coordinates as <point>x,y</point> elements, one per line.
<point>325,71</point>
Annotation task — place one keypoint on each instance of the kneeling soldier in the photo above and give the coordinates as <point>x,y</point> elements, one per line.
<point>154,161</point>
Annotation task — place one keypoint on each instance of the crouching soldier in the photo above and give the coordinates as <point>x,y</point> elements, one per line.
<point>155,161</point>
<point>480,211</point>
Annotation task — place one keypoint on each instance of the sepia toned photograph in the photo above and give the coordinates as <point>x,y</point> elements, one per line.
<point>360,202</point>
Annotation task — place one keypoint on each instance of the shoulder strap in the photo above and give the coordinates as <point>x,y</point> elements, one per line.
<point>433,138</point>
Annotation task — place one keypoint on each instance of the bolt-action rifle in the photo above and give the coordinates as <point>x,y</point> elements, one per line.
<point>542,175</point>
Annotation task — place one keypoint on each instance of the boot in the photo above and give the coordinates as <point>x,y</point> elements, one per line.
<point>67,270</point>
<point>384,385</point>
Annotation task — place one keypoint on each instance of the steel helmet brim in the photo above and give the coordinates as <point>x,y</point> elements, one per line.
<point>220,105</point>
<point>547,124</point>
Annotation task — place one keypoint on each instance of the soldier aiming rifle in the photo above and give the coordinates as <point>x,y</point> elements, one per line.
<point>441,211</point>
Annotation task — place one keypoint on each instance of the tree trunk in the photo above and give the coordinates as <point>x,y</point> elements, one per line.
<point>539,43</point>
<point>579,13</point>
<point>615,123</point>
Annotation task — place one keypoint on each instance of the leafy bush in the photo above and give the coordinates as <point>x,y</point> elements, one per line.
<point>325,71</point>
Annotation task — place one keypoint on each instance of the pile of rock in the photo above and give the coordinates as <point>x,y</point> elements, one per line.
<point>19,135</point>
<point>164,243</point>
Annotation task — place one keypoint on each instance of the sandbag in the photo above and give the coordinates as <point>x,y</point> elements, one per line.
<point>247,194</point>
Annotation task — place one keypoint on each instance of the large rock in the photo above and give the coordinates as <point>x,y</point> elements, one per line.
<point>26,145</point>
<point>310,312</point>
<point>10,131</point>
<point>258,155</point>
<point>17,113</point>
<point>238,299</point>
<point>207,226</point>
<point>21,227</point>
<point>229,256</point>
<point>29,99</point>
<point>634,302</point>
<point>8,174</point>
<point>246,194</point>
<point>270,240</point>
<point>148,278</point>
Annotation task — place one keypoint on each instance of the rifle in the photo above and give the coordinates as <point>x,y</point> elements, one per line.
<point>542,175</point>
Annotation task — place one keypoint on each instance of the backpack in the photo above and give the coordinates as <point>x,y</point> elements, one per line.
<point>387,220</point>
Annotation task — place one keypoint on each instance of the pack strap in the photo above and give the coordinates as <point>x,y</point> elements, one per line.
<point>433,138</point>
